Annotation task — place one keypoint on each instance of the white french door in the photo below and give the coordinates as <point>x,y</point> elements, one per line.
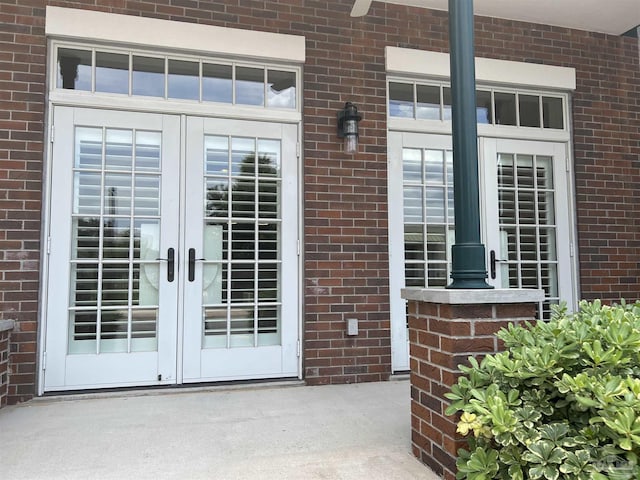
<point>528,226</point>
<point>524,210</point>
<point>172,241</point>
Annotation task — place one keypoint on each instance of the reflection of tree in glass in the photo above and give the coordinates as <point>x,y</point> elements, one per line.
<point>247,194</point>
<point>243,191</point>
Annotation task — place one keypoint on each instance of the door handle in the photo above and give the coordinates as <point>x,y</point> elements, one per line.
<point>492,261</point>
<point>171,264</point>
<point>192,264</point>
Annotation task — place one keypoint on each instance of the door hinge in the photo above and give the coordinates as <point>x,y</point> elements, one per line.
<point>52,135</point>
<point>298,247</point>
<point>299,349</point>
<point>44,361</point>
<point>298,149</point>
<point>571,250</point>
<point>48,245</point>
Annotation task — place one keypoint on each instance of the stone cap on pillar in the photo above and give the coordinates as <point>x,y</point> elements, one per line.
<point>473,297</point>
<point>6,325</point>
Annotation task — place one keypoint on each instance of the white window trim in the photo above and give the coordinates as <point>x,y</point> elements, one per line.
<point>406,61</point>
<point>76,24</point>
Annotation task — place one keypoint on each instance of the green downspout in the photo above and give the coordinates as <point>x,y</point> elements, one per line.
<point>468,254</point>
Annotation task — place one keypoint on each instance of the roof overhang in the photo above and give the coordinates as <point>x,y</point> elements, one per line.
<point>612,16</point>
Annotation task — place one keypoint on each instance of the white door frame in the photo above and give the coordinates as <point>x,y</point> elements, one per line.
<point>52,344</point>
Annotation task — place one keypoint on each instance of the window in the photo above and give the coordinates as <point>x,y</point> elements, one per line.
<point>493,106</point>
<point>193,79</point>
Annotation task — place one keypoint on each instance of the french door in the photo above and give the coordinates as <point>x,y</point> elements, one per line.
<point>524,209</point>
<point>171,242</point>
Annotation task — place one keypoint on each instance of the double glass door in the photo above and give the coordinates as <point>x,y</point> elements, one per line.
<point>171,243</point>
<point>525,220</point>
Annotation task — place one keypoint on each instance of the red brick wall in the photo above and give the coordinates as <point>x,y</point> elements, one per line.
<point>345,213</point>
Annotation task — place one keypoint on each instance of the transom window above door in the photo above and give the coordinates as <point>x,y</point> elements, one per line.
<point>422,101</point>
<point>143,74</point>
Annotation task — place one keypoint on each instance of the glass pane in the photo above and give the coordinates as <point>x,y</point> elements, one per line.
<point>84,284</point>
<point>524,171</point>
<point>434,166</point>
<point>143,330</point>
<point>507,206</point>
<point>544,172</point>
<point>217,202</point>
<point>435,205</point>
<point>437,274</point>
<point>546,208</point>
<point>449,163</point>
<point>436,242</point>
<point>117,194</point>
<point>428,105</point>
<point>184,80</point>
<point>147,239</point>
<point>412,165</point>
<point>505,170</point>
<point>217,83</point>
<point>243,198</point>
<point>550,279</point>
<point>148,76</point>
<point>112,73</point>
<point>548,244</point>
<point>413,204</point>
<point>242,288</point>
<point>268,332</point>
<point>505,108</point>
<point>116,232</point>
<point>74,69</point>
<point>446,103</point>
<point>508,243</point>
<point>147,195</point>
<point>115,284</point>
<point>88,148</point>
<point>86,195</point>
<point>215,327</point>
<point>268,282</point>
<point>249,86</point>
<point>526,206</point>
<point>212,283</point>
<point>86,238</point>
<point>529,106</point>
<point>414,274</point>
<point>413,242</point>
<point>268,199</point>
<point>552,112</point>
<point>83,329</point>
<point>282,89</point>
<point>268,158</point>
<point>243,156</point>
<point>483,106</point>
<point>148,151</point>
<point>268,241</point>
<point>216,151</point>
<point>118,150</point>
<point>114,331</point>
<point>401,100</point>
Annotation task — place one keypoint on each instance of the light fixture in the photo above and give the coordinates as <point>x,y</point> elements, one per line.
<point>348,119</point>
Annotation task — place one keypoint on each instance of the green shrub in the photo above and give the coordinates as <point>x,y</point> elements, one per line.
<point>562,402</point>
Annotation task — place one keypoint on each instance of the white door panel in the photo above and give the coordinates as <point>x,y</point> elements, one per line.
<point>525,214</point>
<point>128,190</point>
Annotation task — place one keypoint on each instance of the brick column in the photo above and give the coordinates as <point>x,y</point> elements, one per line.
<point>445,328</point>
<point>5,332</point>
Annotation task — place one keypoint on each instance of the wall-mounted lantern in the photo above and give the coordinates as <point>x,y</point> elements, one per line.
<point>348,119</point>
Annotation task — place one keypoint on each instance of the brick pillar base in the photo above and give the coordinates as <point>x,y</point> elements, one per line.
<point>5,332</point>
<point>445,328</point>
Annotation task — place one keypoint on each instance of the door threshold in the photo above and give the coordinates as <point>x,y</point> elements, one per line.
<point>169,389</point>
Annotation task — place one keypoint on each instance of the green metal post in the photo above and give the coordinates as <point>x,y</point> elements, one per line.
<point>469,268</point>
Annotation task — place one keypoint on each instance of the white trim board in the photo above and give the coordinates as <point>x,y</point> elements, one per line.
<point>76,24</point>
<point>435,64</point>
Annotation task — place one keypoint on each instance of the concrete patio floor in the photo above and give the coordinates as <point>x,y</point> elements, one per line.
<point>281,432</point>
